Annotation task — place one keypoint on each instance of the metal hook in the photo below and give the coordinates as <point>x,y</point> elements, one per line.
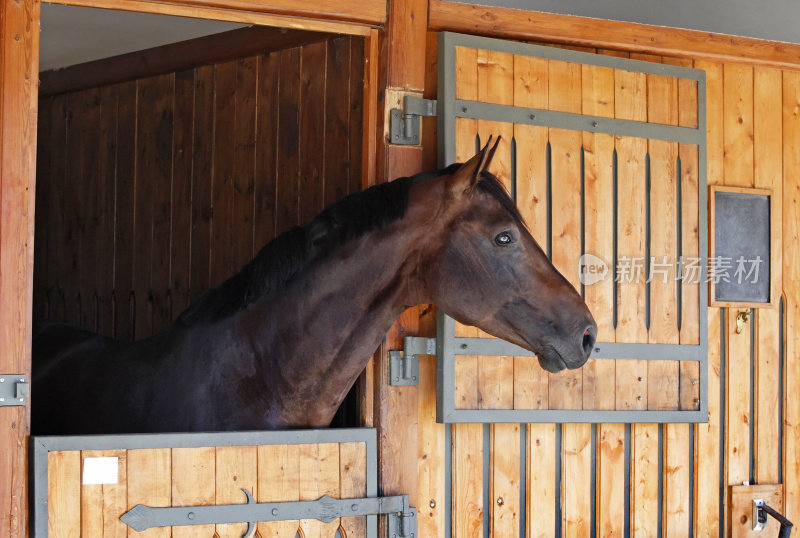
<point>251,525</point>
<point>741,318</point>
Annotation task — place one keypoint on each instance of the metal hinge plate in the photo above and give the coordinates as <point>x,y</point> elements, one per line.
<point>404,364</point>
<point>404,124</point>
<point>14,389</point>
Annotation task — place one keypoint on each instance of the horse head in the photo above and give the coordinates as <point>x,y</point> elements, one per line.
<point>487,270</point>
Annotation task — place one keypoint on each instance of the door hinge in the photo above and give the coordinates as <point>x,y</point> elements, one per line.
<point>14,389</point>
<point>404,124</point>
<point>404,364</point>
<point>402,521</point>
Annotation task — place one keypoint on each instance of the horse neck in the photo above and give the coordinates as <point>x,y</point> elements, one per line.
<point>315,337</point>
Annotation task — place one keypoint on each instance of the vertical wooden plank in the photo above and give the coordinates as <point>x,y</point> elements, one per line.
<point>467,487</point>
<point>278,480</point>
<point>287,210</point>
<point>160,196</point>
<point>319,476</point>
<point>337,121</point>
<point>125,227</point>
<point>430,454</point>
<point>505,479</point>
<point>598,154</point>
<point>737,400</point>
<point>610,479</point>
<point>73,194</point>
<point>576,480</point>
<point>312,137</point>
<point>676,480</point>
<point>107,163</point>
<point>55,229</point>
<point>767,152</point>
<point>266,144</point>
<point>181,196</point>
<point>236,469</point>
<point>541,481</point>
<point>103,504</point>
<point>87,207</point>
<point>644,479</point>
<point>150,483</point>
<point>564,88</point>
<point>707,436</point>
<point>738,125</point>
<point>363,105</point>
<point>64,494</point>
<point>353,483</point>
<point>221,264</point>
<point>202,170</point>
<point>41,277</point>
<point>193,484</point>
<point>791,285</point>
<point>243,180</point>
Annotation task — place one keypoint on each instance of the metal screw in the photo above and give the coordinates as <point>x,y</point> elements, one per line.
<point>22,399</point>
<point>594,124</point>
<point>500,501</point>
<point>433,504</point>
<point>533,116</point>
<point>274,511</point>
<point>2,399</point>
<point>463,109</point>
<point>464,346</point>
<point>694,382</point>
<point>190,515</point>
<point>639,398</point>
<point>2,379</point>
<point>354,507</point>
<point>413,378</point>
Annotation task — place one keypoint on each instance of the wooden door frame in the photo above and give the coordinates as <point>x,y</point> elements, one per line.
<point>19,70</point>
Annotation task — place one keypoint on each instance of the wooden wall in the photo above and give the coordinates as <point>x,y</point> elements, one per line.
<point>152,190</point>
<point>645,479</point>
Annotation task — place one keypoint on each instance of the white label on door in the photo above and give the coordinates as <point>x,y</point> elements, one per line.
<point>100,470</point>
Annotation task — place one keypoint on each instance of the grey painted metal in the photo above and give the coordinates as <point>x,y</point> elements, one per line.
<point>14,390</point>
<point>448,346</point>
<point>325,509</point>
<point>403,368</point>
<point>404,125</point>
<point>41,446</point>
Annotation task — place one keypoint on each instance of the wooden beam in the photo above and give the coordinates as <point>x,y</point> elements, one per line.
<point>584,31</point>
<point>239,43</point>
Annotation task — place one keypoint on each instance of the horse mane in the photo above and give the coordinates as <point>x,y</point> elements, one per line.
<point>289,253</point>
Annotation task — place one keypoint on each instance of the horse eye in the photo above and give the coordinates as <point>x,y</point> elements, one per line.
<point>504,239</point>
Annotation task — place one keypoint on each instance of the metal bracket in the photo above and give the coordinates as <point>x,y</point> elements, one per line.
<point>402,518</point>
<point>404,365</point>
<point>760,512</point>
<point>14,390</point>
<point>404,124</point>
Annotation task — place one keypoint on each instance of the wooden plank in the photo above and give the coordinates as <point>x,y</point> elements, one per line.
<point>221,264</point>
<point>676,490</point>
<point>564,87</point>
<point>597,88</point>
<point>150,483</point>
<point>44,149</point>
<point>181,206</point>
<point>363,112</point>
<point>768,159</point>
<point>107,157</point>
<point>644,478</point>
<point>236,469</point>
<point>55,228</point>
<point>193,484</point>
<point>791,287</point>
<point>505,479</point>
<point>467,473</point>
<point>86,207</point>
<point>541,481</point>
<point>353,483</point>
<point>430,454</point>
<point>737,400</point>
<point>278,480</point>
<point>319,476</point>
<point>287,210</point>
<point>610,479</point>
<point>103,504</point>
<point>124,230</point>
<point>243,180</point>
<point>202,170</point>
<point>336,167</point>
<point>73,173</point>
<point>738,125</point>
<point>266,145</point>
<point>406,27</point>
<point>312,137</point>
<point>527,25</point>
<point>576,480</point>
<point>63,494</point>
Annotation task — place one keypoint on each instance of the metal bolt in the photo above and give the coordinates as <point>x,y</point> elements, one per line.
<point>639,398</point>
<point>22,399</point>
<point>274,511</point>
<point>463,109</point>
<point>190,515</point>
<point>499,501</point>
<point>464,346</point>
<point>432,504</point>
<point>2,379</point>
<point>694,382</point>
<point>413,378</point>
<point>594,124</point>
<point>533,116</point>
<point>597,350</point>
<point>2,399</point>
<point>354,507</point>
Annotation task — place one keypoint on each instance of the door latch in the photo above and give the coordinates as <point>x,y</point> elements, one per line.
<point>14,390</point>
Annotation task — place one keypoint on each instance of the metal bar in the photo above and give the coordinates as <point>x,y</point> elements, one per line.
<point>576,122</point>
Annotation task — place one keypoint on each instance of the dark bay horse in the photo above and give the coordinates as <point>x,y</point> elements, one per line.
<point>279,344</point>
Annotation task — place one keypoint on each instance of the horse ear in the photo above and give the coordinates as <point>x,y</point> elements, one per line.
<point>469,174</point>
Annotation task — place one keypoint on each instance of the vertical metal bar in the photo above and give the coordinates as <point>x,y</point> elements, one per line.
<point>549,168</point>
<point>614,233</point>
<point>593,484</point>
<point>679,241</point>
<point>487,480</point>
<point>445,366</point>
<point>583,214</point>
<point>782,378</point>
<point>448,480</point>
<point>751,420</point>
<point>446,118</point>
<point>703,241</point>
<point>690,530</point>
<point>513,168</point>
<point>558,480</point>
<point>660,511</point>
<point>647,234</point>
<point>626,524</point>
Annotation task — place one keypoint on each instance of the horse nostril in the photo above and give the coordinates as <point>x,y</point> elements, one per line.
<point>588,341</point>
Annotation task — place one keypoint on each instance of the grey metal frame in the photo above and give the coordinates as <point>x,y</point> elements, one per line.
<point>448,346</point>
<point>41,446</point>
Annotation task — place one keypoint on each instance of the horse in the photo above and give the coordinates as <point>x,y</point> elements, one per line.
<point>279,344</point>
